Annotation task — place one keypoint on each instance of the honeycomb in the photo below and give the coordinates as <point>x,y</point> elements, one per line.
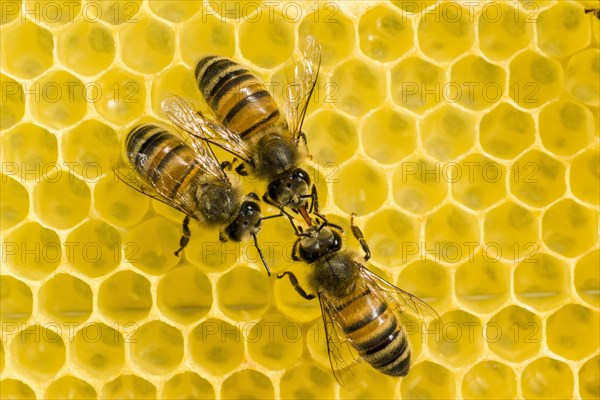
<point>465,135</point>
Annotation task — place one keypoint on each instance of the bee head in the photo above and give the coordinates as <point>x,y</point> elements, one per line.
<point>318,242</point>
<point>247,221</point>
<point>289,188</point>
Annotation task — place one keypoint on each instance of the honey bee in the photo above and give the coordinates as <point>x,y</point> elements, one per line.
<point>362,312</point>
<point>248,123</point>
<point>595,11</point>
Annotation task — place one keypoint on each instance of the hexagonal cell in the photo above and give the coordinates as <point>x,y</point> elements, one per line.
<point>419,186</point>
<point>158,348</point>
<point>86,47</point>
<point>429,380</point>
<point>247,383</point>
<point>504,30</point>
<point>569,228</point>
<point>483,283</point>
<point>537,179</point>
<point>477,83</point>
<point>38,353</point>
<point>115,13</point>
<point>360,187</point>
<point>211,255</point>
<point>307,381</point>
<point>13,101</point>
<point>448,132</point>
<point>566,127</point>
<point>417,84</point>
<point>188,385</point>
<point>119,96</point>
<point>489,380</point>
<point>66,299</point>
<point>515,334</point>
<point>32,251</point>
<point>367,383</point>
<point>291,304</point>
<point>15,202</point>
<point>387,126</point>
<point>218,34</point>
<point>98,350</point>
<point>15,389</point>
<point>542,281</point>
<point>448,340</point>
<point>128,387</point>
<point>587,278</point>
<point>243,293</point>
<point>10,10</point>
<point>27,49</point>
<point>177,81</point>
<point>358,87</point>
<point>451,234</point>
<point>446,31</point>
<point>279,349</point>
<point>147,46</point>
<point>479,182</point>
<point>580,81</point>
<point>506,131</point>
<point>534,79</point>
<point>429,281</point>
<point>276,35</point>
<point>17,301</point>
<point>385,35</point>
<point>335,137</point>
<point>94,248</point>
<point>184,294</point>
<point>585,176</point>
<point>175,11</point>
<point>155,242</point>
<point>70,388</point>
<point>125,297</point>
<point>547,378</point>
<point>119,204</point>
<point>562,30</point>
<point>390,234</point>
<point>572,332</point>
<point>589,378</point>
<point>216,346</point>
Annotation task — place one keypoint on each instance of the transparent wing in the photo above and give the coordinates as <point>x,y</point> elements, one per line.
<point>302,78</point>
<point>196,124</point>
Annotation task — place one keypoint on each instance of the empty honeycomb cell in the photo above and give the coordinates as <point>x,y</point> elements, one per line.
<point>457,338</point>
<point>428,380</point>
<point>61,200</point>
<point>448,132</point>
<point>32,251</point>
<point>15,202</point>
<point>515,334</point>
<point>537,179</point>
<point>358,87</point>
<point>387,126</point>
<point>587,278</point>
<point>333,137</point>
<point>385,35</point>
<point>360,187</point>
<point>119,96</point>
<point>546,378</point>
<point>534,79</point>
<point>208,253</point>
<point>511,233</point>
<point>307,381</point>
<point>275,342</point>
<point>27,49</point>
<point>70,388</point>
<point>489,380</point>
<point>15,390</point>
<point>566,127</point>
<point>429,281</point>
<point>247,383</point>
<point>65,299</point>
<point>477,84</point>
<point>10,10</point>
<point>585,176</point>
<point>153,244</point>
<point>419,185</point>
<point>445,32</point>
<point>367,383</point>
<point>589,379</point>
<point>244,293</point>
<point>184,294</point>
<point>98,350</point>
<point>188,385</point>
<point>128,387</point>
<point>542,281</point>
<point>479,182</point>
<point>216,346</point>
<point>569,228</point>
<point>13,102</point>
<point>504,29</point>
<point>115,13</point>
<point>17,301</point>
<point>175,11</point>
<point>94,248</point>
<point>563,29</point>
<point>417,84</point>
<point>158,348</point>
<point>218,38</point>
<point>482,283</point>
<point>86,47</point>
<point>290,303</point>
<point>506,131</point>
<point>178,81</point>
<point>275,33</point>
<point>38,353</point>
<point>411,6</point>
<point>147,46</point>
<point>125,297</point>
<point>581,77</point>
<point>451,234</point>
<point>572,332</point>
<point>392,237</point>
<point>117,203</point>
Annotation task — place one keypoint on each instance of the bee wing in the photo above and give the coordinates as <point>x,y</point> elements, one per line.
<point>197,125</point>
<point>301,85</point>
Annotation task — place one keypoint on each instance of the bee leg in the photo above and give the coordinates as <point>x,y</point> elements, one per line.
<point>295,250</point>
<point>296,285</point>
<point>361,238</point>
<point>260,253</point>
<point>241,170</point>
<point>226,166</point>
<point>314,204</point>
<point>302,136</point>
<point>185,239</point>
<point>282,213</point>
